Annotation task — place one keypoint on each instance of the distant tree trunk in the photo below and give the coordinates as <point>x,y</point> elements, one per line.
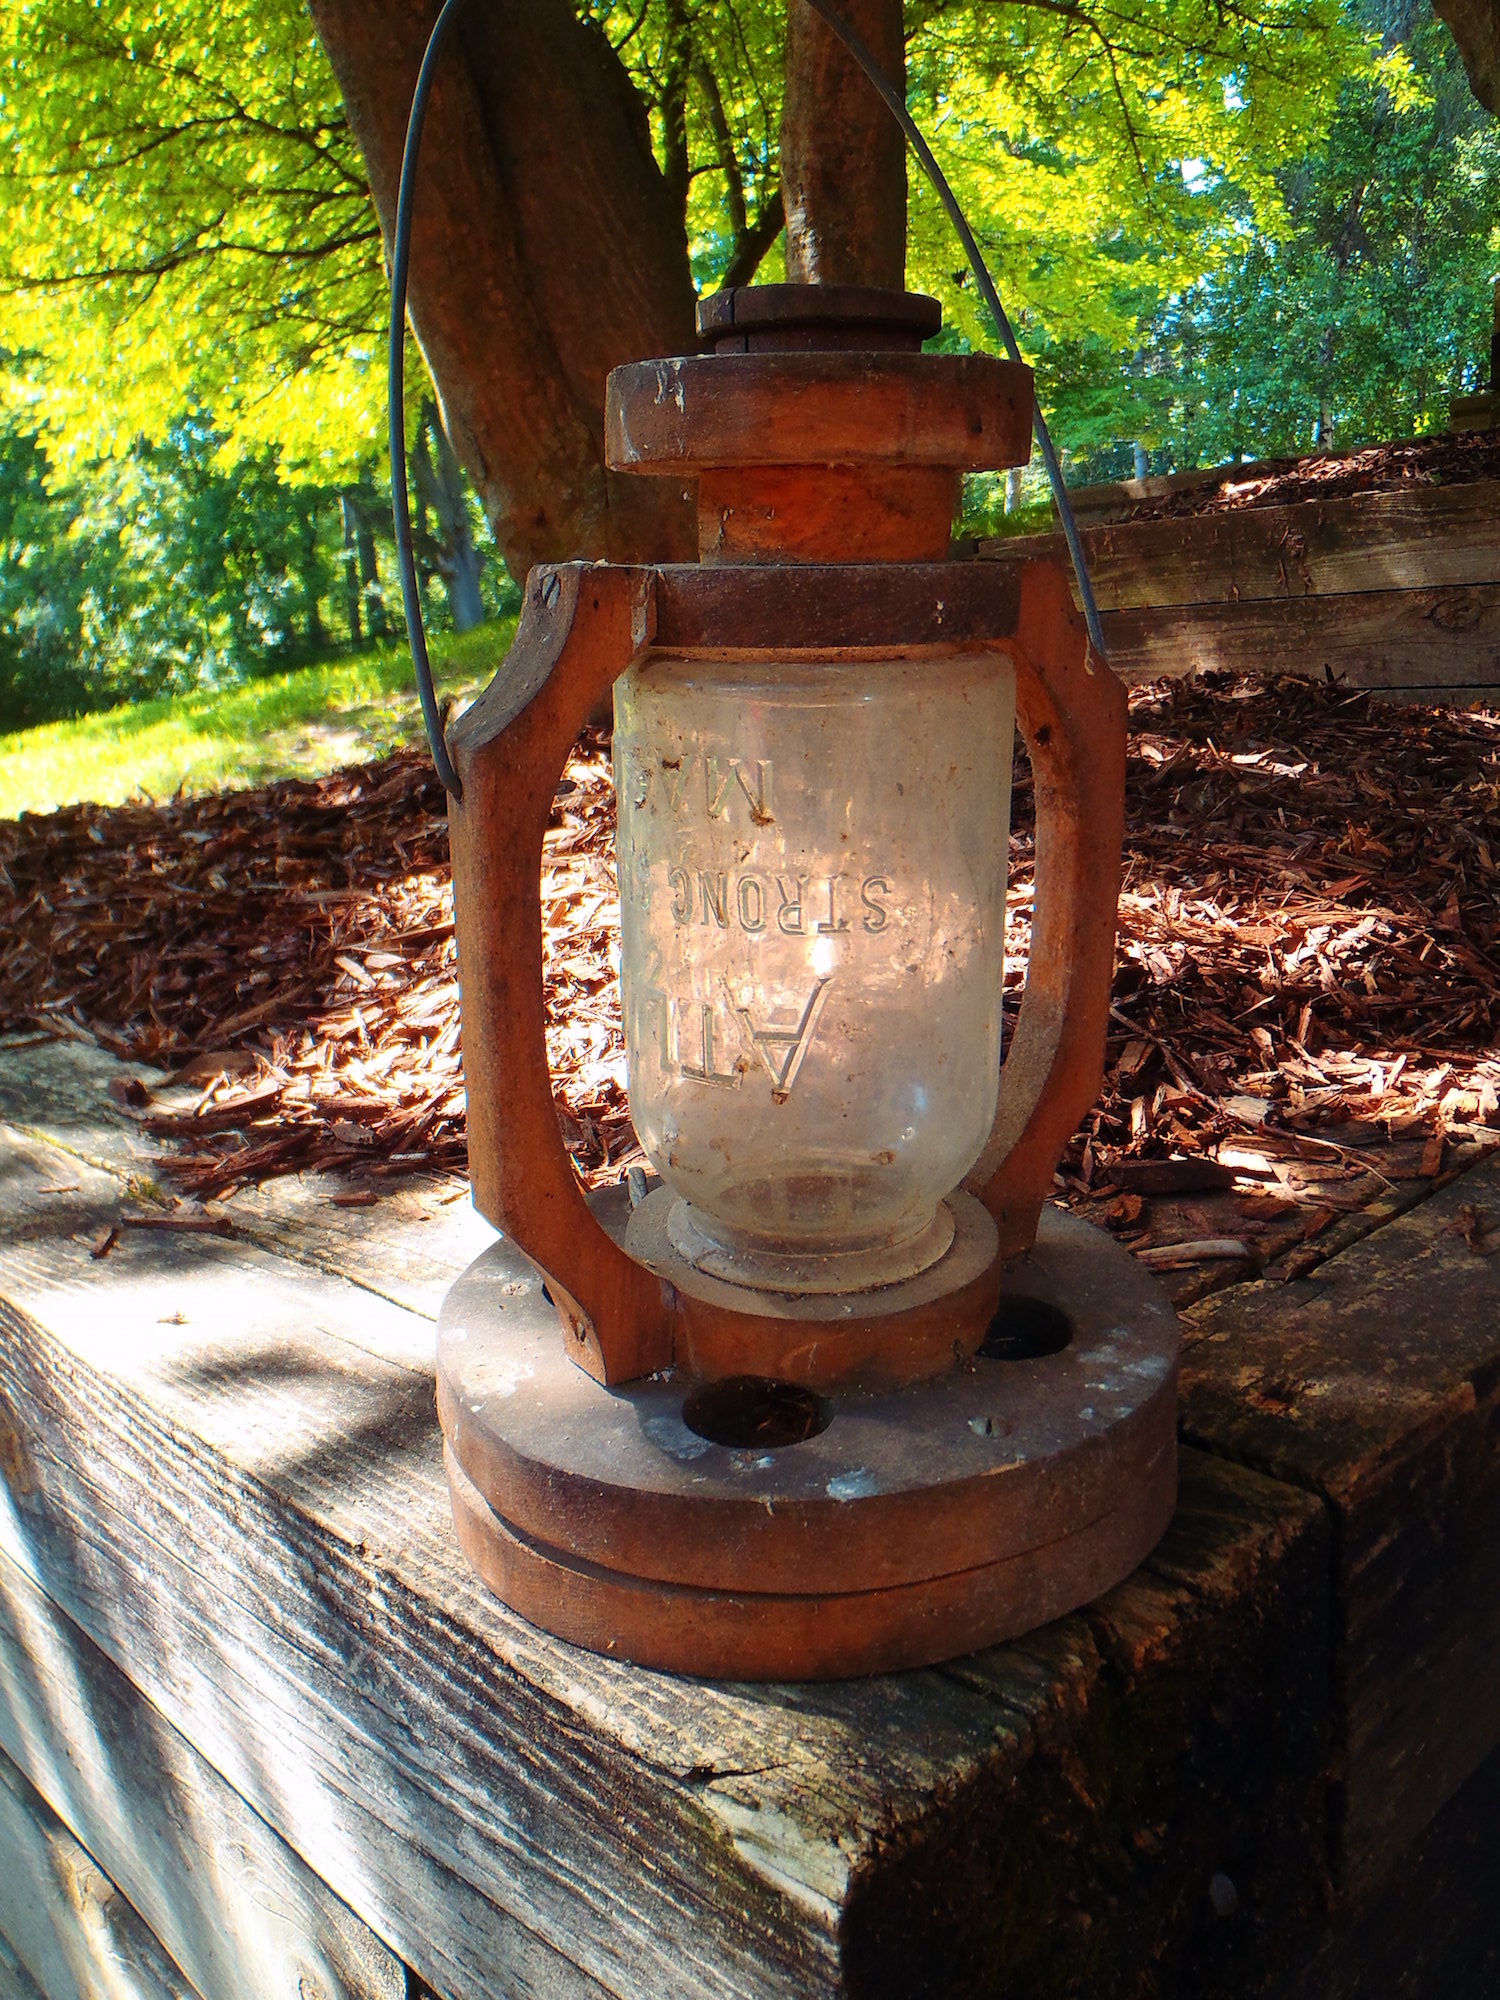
<point>371,594</point>
<point>348,564</point>
<point>547,248</point>
<point>310,576</point>
<point>440,487</point>
<point>1012,488</point>
<point>671,103</point>
<point>749,240</point>
<point>1142,462</point>
<point>1475,26</point>
<point>843,157</point>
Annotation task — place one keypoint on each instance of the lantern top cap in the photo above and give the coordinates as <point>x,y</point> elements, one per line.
<point>759,318</point>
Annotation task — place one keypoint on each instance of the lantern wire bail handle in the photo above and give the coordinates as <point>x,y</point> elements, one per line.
<point>400,266</point>
<point>896,105</point>
<point>411,596</point>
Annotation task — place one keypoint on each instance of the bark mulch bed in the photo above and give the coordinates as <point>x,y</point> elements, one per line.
<point>1305,1015</point>
<point>1450,459</point>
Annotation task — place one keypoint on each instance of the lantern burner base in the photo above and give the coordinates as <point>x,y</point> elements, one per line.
<point>753,1528</point>
<point>821,1274</point>
<point>905,1329</point>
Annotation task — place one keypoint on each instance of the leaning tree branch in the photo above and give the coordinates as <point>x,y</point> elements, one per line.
<point>750,248</point>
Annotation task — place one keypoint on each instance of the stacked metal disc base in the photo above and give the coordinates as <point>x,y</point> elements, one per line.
<point>758,1530</point>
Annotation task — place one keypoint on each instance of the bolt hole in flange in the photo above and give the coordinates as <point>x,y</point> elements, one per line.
<point>749,1413</point>
<point>1025,1329</point>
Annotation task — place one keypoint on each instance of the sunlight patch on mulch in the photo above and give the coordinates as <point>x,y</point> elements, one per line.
<point>1451,458</point>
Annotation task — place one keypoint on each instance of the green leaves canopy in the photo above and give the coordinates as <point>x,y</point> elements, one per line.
<point>1083,136</point>
<point>1358,314</point>
<point>186,222</point>
<point>1079,134</point>
<point>159,572</point>
<point>184,219</point>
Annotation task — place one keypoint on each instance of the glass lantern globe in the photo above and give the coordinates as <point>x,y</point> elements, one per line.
<point>812,863</point>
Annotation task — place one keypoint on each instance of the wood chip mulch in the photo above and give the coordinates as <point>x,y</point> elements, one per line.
<point>290,950</point>
<point>1449,459</point>
<point>1305,1008</point>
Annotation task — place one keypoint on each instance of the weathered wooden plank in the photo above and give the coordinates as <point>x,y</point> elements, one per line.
<point>247,1512</point>
<point>230,1901</point>
<point>50,1198</point>
<point>214,1471</point>
<point>1434,538</point>
<point>16,1983</point>
<point>1472,413</point>
<point>65,1927</point>
<point>1186,1739</point>
<point>1431,1931</point>
<point>843,1798</point>
<point>406,1249</point>
<point>1373,639</point>
<point>1118,496</point>
<point>1377,1385</point>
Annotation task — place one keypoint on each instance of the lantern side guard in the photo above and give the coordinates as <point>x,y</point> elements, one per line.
<point>581,626</point>
<point>1072,719</point>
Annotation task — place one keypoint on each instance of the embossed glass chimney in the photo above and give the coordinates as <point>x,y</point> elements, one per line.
<point>812,891</point>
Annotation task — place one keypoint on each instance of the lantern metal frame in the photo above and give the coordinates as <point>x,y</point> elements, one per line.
<point>935,1498</point>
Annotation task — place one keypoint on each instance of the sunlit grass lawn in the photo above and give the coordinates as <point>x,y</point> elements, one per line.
<point>288,725</point>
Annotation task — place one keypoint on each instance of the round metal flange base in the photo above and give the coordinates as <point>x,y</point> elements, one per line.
<point>748,1529</point>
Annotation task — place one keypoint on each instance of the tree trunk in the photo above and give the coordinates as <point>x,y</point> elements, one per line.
<point>749,240</point>
<point>1475,26</point>
<point>348,564</point>
<point>310,575</point>
<point>843,156</point>
<point>546,249</point>
<point>372,596</point>
<point>440,485</point>
<point>671,103</point>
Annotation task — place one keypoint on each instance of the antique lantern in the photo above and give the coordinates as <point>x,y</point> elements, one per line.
<point>840,1392</point>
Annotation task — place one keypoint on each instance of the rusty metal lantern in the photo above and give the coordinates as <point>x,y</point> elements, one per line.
<point>842,1392</point>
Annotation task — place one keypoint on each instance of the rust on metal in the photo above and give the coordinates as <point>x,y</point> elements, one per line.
<point>758,319</point>
<point>912,1524</point>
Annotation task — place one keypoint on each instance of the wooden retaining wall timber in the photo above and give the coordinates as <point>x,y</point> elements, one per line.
<point>1397,590</point>
<point>66,1932</point>
<point>232,1905</point>
<point>242,1660</point>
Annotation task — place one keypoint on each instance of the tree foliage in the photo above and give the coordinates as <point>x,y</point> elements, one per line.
<point>186,223</point>
<point>188,220</point>
<point>1077,133</point>
<point>1224,226</point>
<point>158,572</point>
<point>167,569</point>
<point>1351,316</point>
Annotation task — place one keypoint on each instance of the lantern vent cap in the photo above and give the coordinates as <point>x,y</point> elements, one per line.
<point>748,319</point>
